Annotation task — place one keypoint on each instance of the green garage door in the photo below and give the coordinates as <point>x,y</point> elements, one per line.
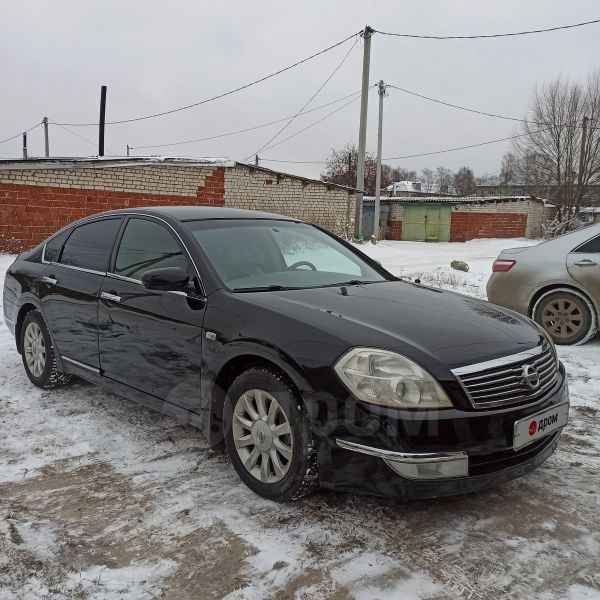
<point>426,223</point>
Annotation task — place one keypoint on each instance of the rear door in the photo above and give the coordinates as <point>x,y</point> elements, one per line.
<point>151,340</point>
<point>76,263</point>
<point>583,264</point>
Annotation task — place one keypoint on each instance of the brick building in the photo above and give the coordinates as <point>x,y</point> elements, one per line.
<point>39,196</point>
<point>459,219</point>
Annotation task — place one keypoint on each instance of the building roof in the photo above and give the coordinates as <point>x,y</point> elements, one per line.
<point>96,162</point>
<point>104,162</point>
<point>449,199</point>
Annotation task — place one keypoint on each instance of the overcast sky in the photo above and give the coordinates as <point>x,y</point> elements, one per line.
<point>155,56</point>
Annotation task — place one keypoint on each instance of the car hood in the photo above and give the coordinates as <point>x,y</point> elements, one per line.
<point>430,325</point>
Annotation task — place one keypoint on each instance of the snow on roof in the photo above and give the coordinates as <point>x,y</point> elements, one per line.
<point>451,199</point>
<point>103,162</point>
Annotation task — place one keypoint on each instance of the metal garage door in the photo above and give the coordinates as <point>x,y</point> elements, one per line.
<point>426,223</point>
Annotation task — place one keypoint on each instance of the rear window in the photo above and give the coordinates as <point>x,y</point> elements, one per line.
<point>90,245</point>
<point>590,247</point>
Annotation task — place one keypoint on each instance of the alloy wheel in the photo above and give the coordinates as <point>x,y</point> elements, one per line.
<point>34,347</point>
<point>562,318</point>
<point>262,436</point>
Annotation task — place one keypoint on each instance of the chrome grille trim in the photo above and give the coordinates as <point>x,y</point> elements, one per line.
<point>499,382</point>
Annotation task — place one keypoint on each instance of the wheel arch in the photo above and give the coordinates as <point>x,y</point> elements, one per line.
<point>559,286</point>
<point>26,308</point>
<point>226,375</point>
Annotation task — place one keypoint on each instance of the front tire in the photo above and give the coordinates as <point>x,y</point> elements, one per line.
<point>567,315</point>
<point>38,354</point>
<point>268,436</point>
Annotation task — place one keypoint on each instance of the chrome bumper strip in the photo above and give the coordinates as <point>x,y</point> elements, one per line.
<point>449,464</point>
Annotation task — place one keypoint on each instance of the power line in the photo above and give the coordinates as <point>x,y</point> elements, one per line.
<point>78,136</point>
<point>222,135</point>
<point>282,129</point>
<point>479,112</point>
<point>490,35</point>
<point>297,162</point>
<point>313,124</point>
<point>513,137</point>
<point>20,133</point>
<point>460,147</point>
<point>218,96</point>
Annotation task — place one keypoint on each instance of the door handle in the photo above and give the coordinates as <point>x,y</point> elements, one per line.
<point>111,297</point>
<point>586,262</point>
<point>49,280</point>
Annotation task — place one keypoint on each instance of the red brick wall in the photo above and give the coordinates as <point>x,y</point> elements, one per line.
<point>394,230</point>
<point>30,213</point>
<point>466,226</point>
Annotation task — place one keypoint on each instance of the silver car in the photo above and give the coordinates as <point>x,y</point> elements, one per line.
<point>556,283</point>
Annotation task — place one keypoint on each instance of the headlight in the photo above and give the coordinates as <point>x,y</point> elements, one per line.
<point>389,379</point>
<point>549,340</point>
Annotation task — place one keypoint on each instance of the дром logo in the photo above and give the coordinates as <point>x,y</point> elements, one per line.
<point>532,427</point>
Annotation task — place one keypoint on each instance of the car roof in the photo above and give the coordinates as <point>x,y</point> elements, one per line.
<point>199,213</point>
<point>572,239</point>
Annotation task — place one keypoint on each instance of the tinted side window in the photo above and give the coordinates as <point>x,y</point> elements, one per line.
<point>590,246</point>
<point>90,245</point>
<point>54,246</point>
<point>147,245</point>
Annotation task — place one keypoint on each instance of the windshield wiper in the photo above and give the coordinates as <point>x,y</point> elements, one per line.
<point>265,288</point>
<point>351,282</point>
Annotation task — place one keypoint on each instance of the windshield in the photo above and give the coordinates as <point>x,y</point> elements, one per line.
<point>252,255</point>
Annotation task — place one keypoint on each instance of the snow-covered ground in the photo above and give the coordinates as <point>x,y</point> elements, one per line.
<point>100,498</point>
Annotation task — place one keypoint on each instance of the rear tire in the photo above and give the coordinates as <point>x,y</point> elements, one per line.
<point>268,436</point>
<point>567,315</point>
<point>38,354</point>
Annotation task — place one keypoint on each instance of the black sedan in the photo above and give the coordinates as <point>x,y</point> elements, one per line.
<point>309,360</point>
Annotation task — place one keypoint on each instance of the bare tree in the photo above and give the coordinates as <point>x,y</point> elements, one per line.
<point>402,174</point>
<point>341,169</point>
<point>443,179</point>
<point>552,152</point>
<point>510,168</point>
<point>427,179</point>
<point>464,182</point>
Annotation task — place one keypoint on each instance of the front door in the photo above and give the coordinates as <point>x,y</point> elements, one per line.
<point>583,265</point>
<point>70,287</point>
<point>151,340</point>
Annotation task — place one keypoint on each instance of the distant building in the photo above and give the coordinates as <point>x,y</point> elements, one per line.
<point>456,218</point>
<point>411,189</point>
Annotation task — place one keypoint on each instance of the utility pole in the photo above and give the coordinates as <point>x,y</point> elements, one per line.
<point>127,149</point>
<point>584,127</point>
<point>46,139</point>
<point>382,93</point>
<point>362,134</point>
<point>102,120</point>
<point>256,159</point>
<point>349,168</point>
<point>25,145</point>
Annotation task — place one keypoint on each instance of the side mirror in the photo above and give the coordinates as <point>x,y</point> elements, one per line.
<point>167,279</point>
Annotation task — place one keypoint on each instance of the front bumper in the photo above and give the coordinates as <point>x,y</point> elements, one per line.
<point>437,453</point>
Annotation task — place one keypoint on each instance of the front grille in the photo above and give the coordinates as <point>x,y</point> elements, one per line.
<point>502,382</point>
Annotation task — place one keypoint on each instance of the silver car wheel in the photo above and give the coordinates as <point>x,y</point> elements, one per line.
<point>262,436</point>
<point>562,318</point>
<point>34,347</point>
